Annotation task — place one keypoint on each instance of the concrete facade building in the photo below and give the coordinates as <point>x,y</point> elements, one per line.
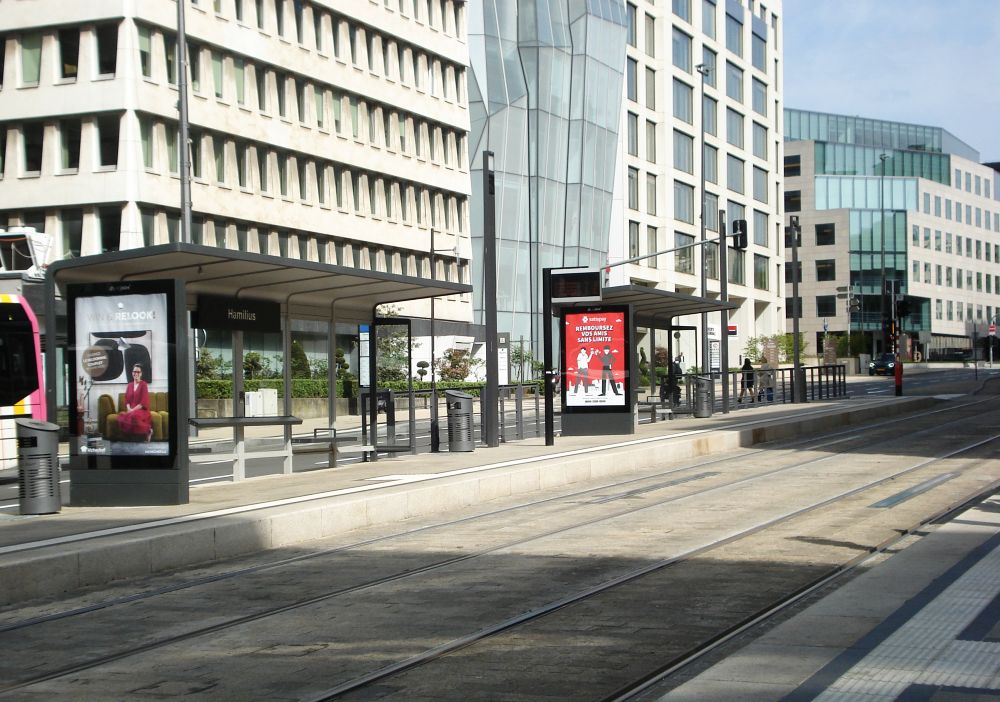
<point>894,207</point>
<point>734,109</point>
<point>326,130</point>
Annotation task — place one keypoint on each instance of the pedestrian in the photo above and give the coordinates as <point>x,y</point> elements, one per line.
<point>746,380</point>
<point>607,359</point>
<point>765,382</point>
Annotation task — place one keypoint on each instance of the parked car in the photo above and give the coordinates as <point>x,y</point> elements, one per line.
<point>883,364</point>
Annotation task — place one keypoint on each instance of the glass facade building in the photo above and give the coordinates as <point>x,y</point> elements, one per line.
<point>545,98</point>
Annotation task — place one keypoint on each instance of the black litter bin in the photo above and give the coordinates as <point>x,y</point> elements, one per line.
<point>38,466</point>
<point>704,396</point>
<point>459,420</point>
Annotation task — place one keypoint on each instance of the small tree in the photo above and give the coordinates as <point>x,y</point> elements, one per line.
<point>422,367</point>
<point>300,362</point>
<point>254,365</point>
<point>210,366</point>
<point>456,364</point>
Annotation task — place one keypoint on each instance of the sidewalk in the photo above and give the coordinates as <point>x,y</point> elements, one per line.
<point>85,546</point>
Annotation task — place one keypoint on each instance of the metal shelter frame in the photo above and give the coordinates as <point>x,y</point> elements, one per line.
<point>304,289</point>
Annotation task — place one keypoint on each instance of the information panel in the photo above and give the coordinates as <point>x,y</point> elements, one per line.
<point>596,360</point>
<point>123,368</point>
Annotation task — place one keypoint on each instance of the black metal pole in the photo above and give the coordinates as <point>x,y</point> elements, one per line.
<point>183,130</point>
<point>435,433</point>
<point>548,374</point>
<point>492,390</point>
<point>724,313</point>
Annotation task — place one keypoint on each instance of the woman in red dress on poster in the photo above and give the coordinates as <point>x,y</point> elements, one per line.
<point>135,420</point>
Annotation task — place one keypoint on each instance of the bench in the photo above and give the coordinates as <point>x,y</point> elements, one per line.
<point>656,409</point>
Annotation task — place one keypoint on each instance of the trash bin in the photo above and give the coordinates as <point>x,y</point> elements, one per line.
<point>459,420</point>
<point>38,466</point>
<point>704,396</point>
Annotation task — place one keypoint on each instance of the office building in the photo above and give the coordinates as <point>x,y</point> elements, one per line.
<point>701,73</point>
<point>903,219</point>
<point>326,130</point>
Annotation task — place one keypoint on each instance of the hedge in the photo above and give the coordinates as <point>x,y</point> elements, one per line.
<point>310,387</point>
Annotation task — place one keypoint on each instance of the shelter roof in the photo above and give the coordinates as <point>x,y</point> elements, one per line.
<point>653,307</point>
<point>312,290</point>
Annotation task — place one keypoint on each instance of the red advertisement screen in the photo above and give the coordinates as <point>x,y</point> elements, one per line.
<point>595,358</point>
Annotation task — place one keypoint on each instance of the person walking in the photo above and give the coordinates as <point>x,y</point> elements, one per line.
<point>746,381</point>
<point>765,382</point>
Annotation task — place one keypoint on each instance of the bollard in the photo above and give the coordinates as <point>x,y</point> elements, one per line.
<point>898,373</point>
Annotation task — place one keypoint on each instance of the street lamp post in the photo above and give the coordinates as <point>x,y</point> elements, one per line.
<point>704,70</point>
<point>881,207</point>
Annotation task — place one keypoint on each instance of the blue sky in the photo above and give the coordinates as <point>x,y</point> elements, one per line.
<point>933,62</point>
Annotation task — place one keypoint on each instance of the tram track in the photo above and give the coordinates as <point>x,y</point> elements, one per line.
<point>810,443</point>
<point>826,440</point>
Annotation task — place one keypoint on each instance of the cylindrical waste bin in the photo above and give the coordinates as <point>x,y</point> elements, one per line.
<point>459,420</point>
<point>704,396</point>
<point>38,466</point>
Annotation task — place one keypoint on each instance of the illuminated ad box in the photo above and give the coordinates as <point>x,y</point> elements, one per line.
<point>596,360</point>
<point>122,363</point>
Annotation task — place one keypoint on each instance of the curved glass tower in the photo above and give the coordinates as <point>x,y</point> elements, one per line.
<point>544,96</point>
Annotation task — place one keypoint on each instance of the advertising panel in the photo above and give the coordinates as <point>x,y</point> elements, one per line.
<point>123,368</point>
<point>596,360</point>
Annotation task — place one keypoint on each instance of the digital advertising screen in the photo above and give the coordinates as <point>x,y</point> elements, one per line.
<point>596,359</point>
<point>121,374</point>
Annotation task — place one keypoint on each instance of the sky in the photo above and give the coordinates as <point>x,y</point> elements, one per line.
<point>930,62</point>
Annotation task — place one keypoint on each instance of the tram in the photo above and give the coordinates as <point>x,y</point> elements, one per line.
<point>21,387</point>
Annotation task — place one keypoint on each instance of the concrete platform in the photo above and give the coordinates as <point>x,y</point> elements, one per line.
<point>923,625</point>
<point>80,547</point>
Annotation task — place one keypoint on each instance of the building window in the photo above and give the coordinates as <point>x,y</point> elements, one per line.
<point>172,154</point>
<point>734,81</point>
<point>826,234</point>
<point>632,131</point>
<point>758,52</point>
<point>651,88</point>
<point>633,188</point>
<point>241,164</point>
<point>760,141</point>
<point>682,8</point>
<point>69,138</point>
<point>683,202</point>
<point>69,53</point>
<point>145,52</point>
<point>217,73</point>
<point>760,272</point>
<point>651,141</point>
<point>262,173</point>
<point>650,194</point>
<point>683,152</point>
<point>632,79</point>
<point>793,201</point>
<point>651,246</point>
<point>72,231</point>
<point>683,101</point>
<point>759,184</point>
<point>681,50</point>
<point>630,14</point>
<point>710,164</point>
<point>650,36</point>
<point>709,59</point>
<point>633,239</point>
<point>708,18</point>
<point>33,136</point>
<point>260,77</point>
<point>709,115</point>
<point>734,128</point>
<point>107,49</point>
<point>196,155</point>
<point>758,97</point>
<point>734,174</point>
<point>737,263</point>
<point>219,154</point>
<point>111,228</point>
<point>793,166</point>
<point>684,257</point>
<point>146,140</point>
<point>711,208</point>
<point>826,305</point>
<point>712,260</point>
<point>826,270</point>
<point>760,228</point>
<point>734,35</point>
<point>239,76</point>
<point>170,58</point>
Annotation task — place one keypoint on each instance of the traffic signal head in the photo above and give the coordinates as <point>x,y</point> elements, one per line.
<point>739,234</point>
<point>855,303</point>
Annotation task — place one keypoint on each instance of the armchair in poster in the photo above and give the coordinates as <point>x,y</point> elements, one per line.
<point>596,359</point>
<point>123,367</point>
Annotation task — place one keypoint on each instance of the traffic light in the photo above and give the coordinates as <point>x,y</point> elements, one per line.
<point>854,303</point>
<point>903,308</point>
<point>739,234</point>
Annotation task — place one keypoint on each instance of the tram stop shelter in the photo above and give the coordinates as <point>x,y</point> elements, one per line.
<point>644,307</point>
<point>129,319</point>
